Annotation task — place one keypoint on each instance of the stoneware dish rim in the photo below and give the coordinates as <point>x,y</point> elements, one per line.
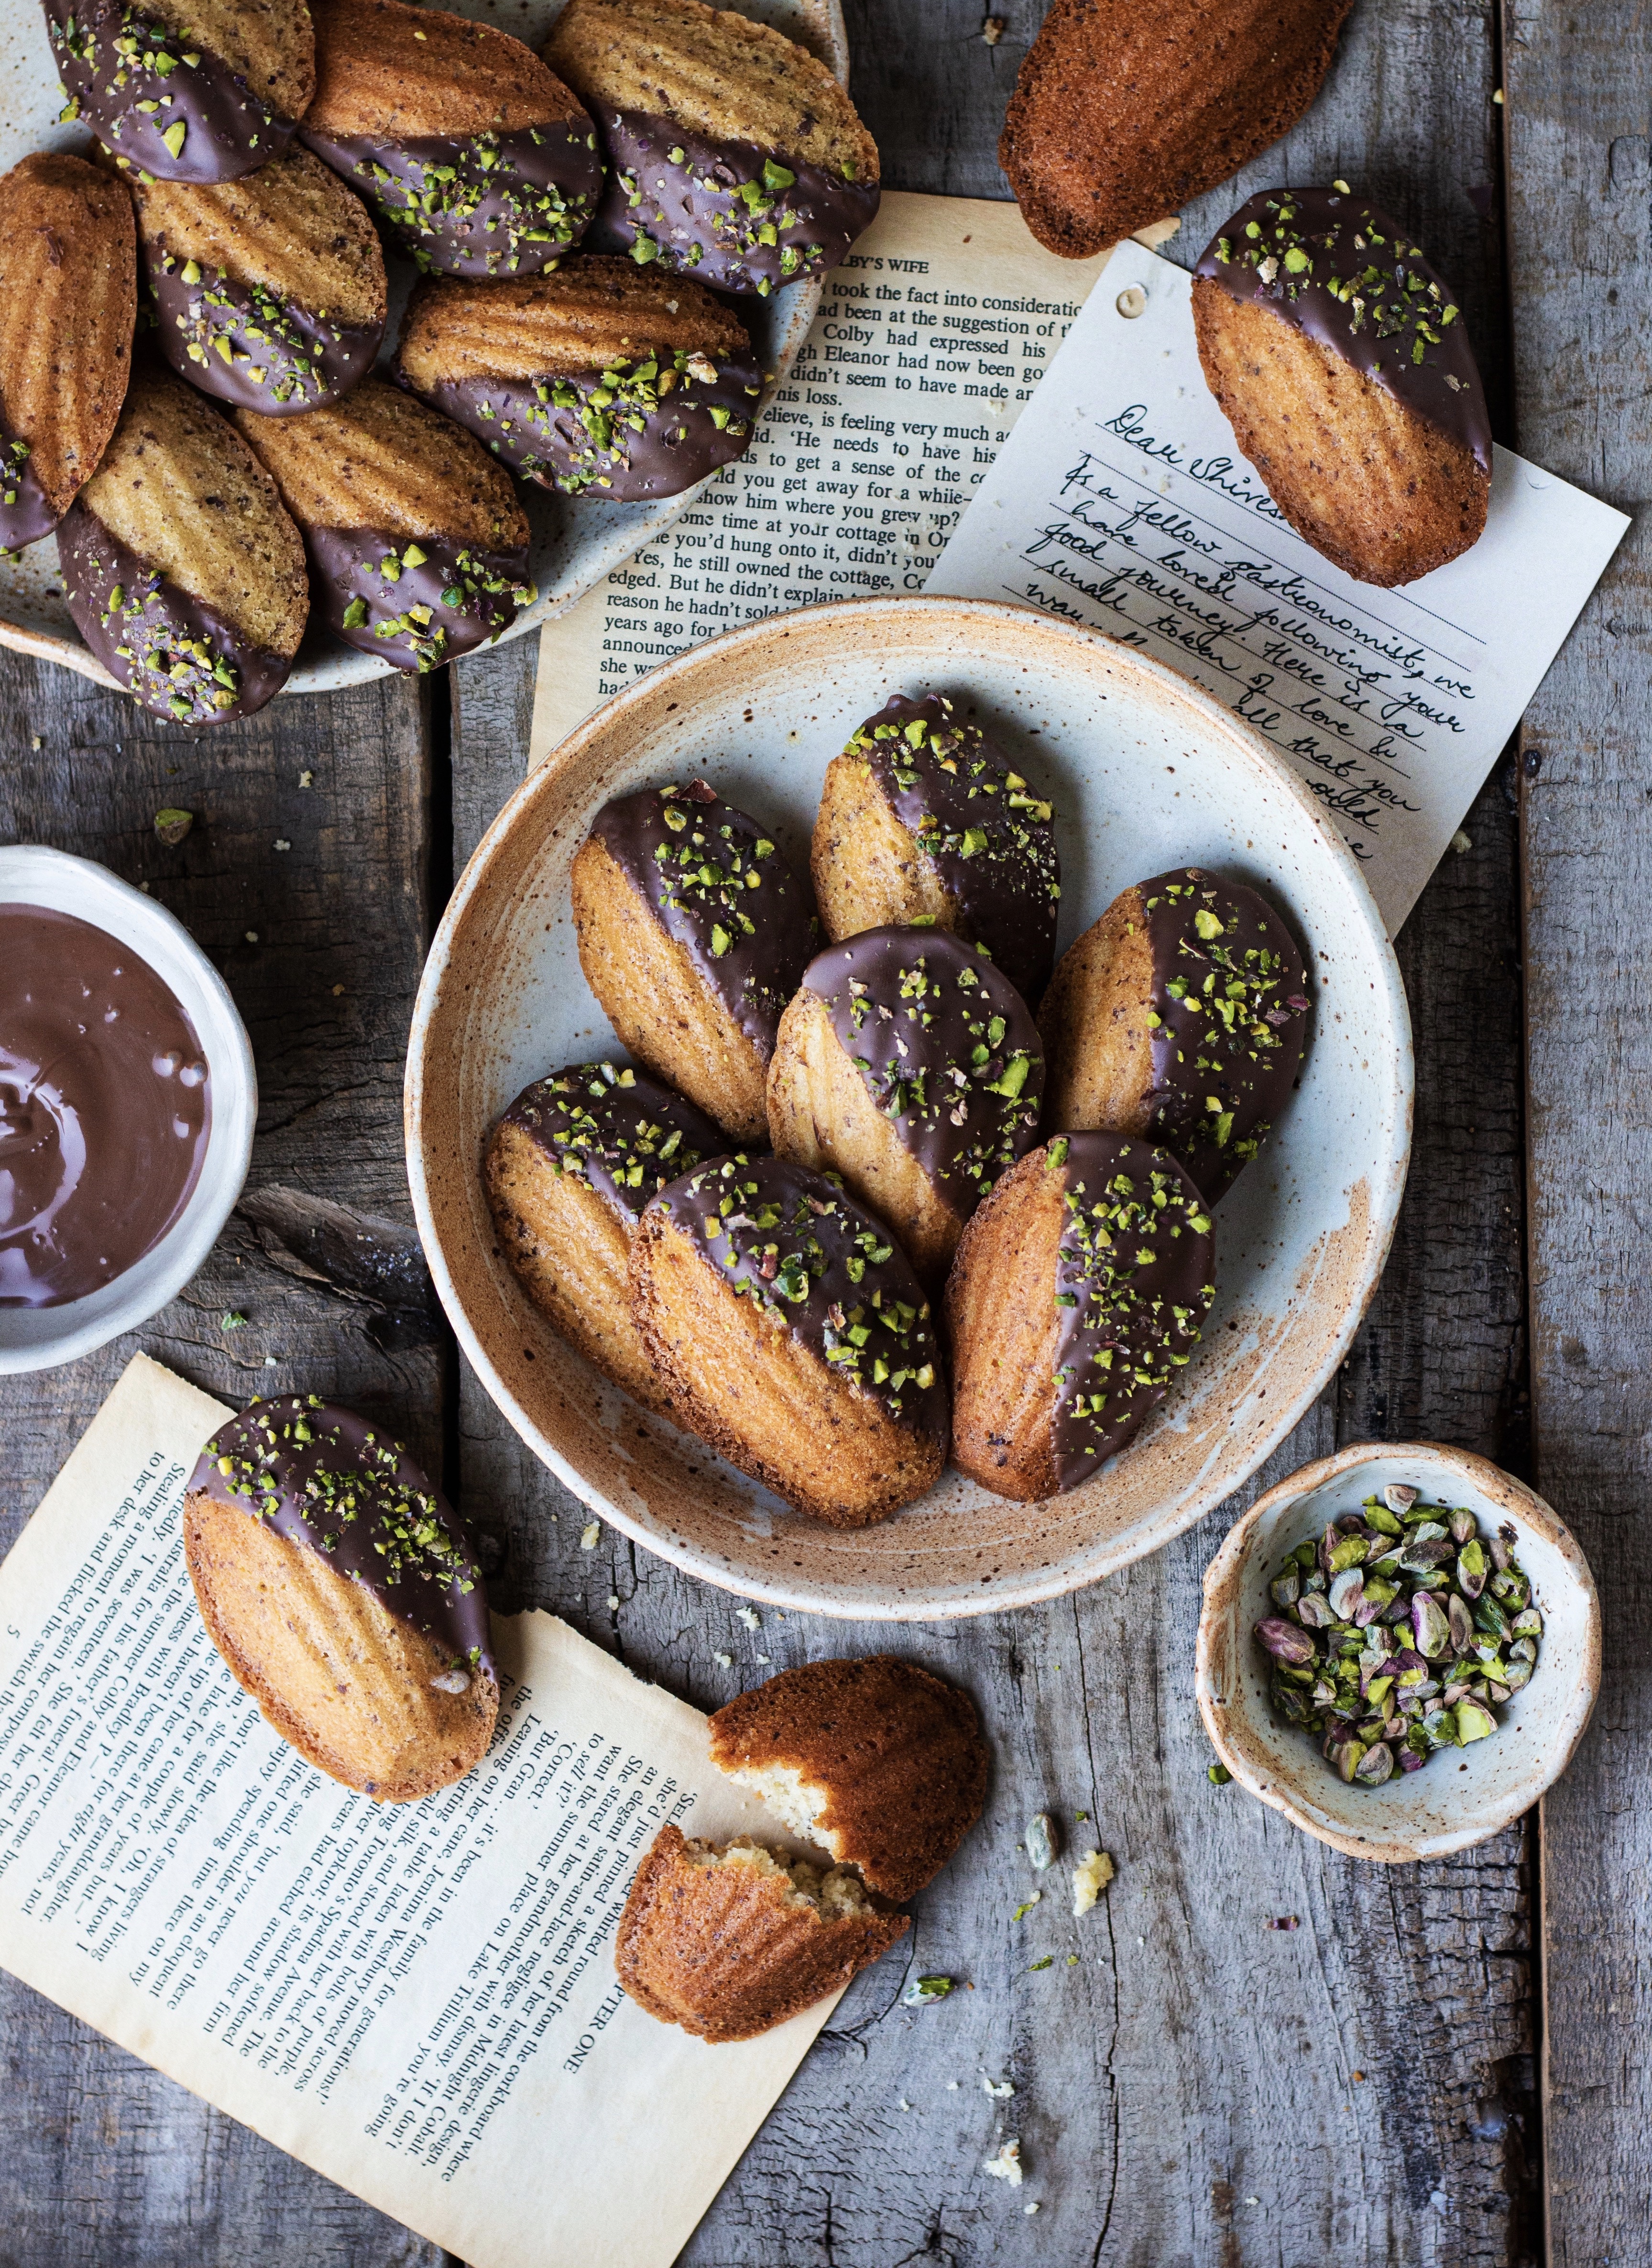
<point>991,619</point>
<point>1223,1582</point>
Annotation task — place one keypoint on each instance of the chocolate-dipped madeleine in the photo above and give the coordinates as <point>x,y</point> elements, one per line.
<point>185,90</point>
<point>344,1594</point>
<point>1076,1296</point>
<point>1180,1016</point>
<point>911,1065</point>
<point>67,305</point>
<point>1341,360</point>
<point>733,150</point>
<point>792,1336</point>
<point>603,379</point>
<point>729,1940</point>
<point>270,291</point>
<point>693,935</point>
<point>478,156</point>
<point>568,1168</point>
<point>182,571</point>
<point>419,546</point>
<point>923,819</point>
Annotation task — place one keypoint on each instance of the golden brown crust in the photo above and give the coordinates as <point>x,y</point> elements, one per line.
<point>1372,485</point>
<point>715,71</point>
<point>663,1010</point>
<point>868,869</point>
<point>595,310</point>
<point>569,1248</point>
<point>1121,114</point>
<point>1093,1020</point>
<point>1004,1332</point>
<point>292,227</point>
<point>67,305</point>
<point>729,1950</point>
<point>389,72</point>
<point>741,1381</point>
<point>269,43</point>
<point>334,1672</point>
<point>180,488</point>
<point>895,1754</point>
<point>821,1112</point>
<point>379,459</point>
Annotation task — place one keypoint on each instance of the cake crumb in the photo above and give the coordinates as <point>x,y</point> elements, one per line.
<point>991,30</point>
<point>1001,2089</point>
<point>613,1603</point>
<point>590,1536</point>
<point>1091,1877</point>
<point>1030,2209</point>
<point>749,1616</point>
<point>1006,2167</point>
<point>723,1661</point>
<point>282,843</point>
<point>306,779</point>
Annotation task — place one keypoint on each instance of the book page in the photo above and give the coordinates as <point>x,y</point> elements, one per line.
<point>1121,501</point>
<point>930,340</point>
<point>419,1999</point>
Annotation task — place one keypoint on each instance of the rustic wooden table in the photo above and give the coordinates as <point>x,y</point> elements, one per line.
<point>1438,2064</point>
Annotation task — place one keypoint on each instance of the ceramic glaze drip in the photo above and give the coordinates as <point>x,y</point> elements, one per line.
<point>478,204</point>
<point>982,827</point>
<point>946,1048</point>
<point>1348,276</point>
<point>240,343</point>
<point>790,1240</point>
<point>1230,1020</point>
<point>722,890</point>
<point>1135,1277</point>
<point>341,1486</point>
<point>106,1107</point>
<point>160,102</point>
<point>622,1133</point>
<point>416,602</point>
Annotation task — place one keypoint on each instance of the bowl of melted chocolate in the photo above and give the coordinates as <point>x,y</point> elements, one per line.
<point>127,1103</point>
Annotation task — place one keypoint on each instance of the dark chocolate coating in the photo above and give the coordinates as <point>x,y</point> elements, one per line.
<point>106,1107</point>
<point>479,204</point>
<point>980,825</point>
<point>731,215</point>
<point>336,1483</point>
<point>236,342</point>
<point>622,1133</point>
<point>946,1046</point>
<point>610,433</point>
<point>719,886</point>
<point>170,650</point>
<point>1135,1277</point>
<point>25,510</point>
<point>134,81</point>
<point>1348,277</point>
<point>417,611</point>
<point>1229,995</point>
<point>792,1240</point>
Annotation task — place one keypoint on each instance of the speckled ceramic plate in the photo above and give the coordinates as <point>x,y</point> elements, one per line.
<point>575,542</point>
<point>1146,772</point>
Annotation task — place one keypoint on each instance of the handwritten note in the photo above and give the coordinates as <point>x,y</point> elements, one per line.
<point>1121,501</point>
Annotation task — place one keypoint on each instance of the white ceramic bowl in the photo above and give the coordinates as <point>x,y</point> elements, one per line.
<point>39,1338</point>
<point>574,542</point>
<point>1147,772</point>
<point>1458,1798</point>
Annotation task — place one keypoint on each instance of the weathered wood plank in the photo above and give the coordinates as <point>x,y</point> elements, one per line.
<point>1581,270</point>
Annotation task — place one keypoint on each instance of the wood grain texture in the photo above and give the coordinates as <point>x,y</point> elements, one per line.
<point>1581,270</point>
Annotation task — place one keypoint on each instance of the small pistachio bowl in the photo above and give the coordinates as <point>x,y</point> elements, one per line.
<point>1461,1795</point>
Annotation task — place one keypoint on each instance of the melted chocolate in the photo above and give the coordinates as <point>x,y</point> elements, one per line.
<point>980,825</point>
<point>160,102</point>
<point>171,651</point>
<point>1229,996</point>
<point>236,341</point>
<point>106,1106</point>
<point>719,886</point>
<point>329,1480</point>
<point>25,510</point>
<point>623,1133</point>
<point>946,1048</point>
<point>792,1241</point>
<point>1135,1277</point>
<point>644,429</point>
<point>736,217</point>
<point>1350,279</point>
<point>479,204</point>
<point>417,603</point>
